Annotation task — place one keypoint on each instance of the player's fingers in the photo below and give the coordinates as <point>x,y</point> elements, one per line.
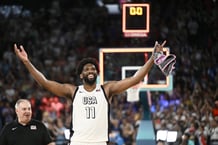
<point>15,48</point>
<point>156,45</point>
<point>164,43</point>
<point>21,47</point>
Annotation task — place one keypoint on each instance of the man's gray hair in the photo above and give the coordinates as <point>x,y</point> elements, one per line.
<point>20,101</point>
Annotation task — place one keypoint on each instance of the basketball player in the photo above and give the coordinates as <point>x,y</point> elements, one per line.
<point>90,101</point>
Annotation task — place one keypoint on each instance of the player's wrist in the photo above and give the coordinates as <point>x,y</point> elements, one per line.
<point>26,61</point>
<point>152,58</point>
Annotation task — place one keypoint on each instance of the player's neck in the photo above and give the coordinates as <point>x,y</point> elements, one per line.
<point>89,87</point>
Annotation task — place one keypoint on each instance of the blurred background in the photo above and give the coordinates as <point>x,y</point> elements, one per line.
<point>58,33</point>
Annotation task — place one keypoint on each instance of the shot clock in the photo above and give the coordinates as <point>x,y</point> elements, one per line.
<point>135,20</point>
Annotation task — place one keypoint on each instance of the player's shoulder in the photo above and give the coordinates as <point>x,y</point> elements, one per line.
<point>108,84</point>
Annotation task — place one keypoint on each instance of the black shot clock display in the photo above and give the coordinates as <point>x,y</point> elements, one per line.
<point>135,20</point>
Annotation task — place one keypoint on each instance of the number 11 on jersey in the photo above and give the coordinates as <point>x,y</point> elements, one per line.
<point>90,112</point>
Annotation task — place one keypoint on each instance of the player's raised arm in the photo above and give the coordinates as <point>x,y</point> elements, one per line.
<point>115,87</point>
<point>52,86</point>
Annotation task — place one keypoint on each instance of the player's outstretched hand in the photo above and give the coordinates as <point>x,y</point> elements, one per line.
<point>164,62</point>
<point>159,47</point>
<point>20,52</point>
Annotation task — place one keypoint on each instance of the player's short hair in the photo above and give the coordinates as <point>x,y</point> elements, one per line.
<point>85,61</point>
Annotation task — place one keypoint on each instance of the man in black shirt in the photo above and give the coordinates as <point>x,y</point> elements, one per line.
<point>25,130</point>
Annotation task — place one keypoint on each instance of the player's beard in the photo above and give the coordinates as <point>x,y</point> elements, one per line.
<point>90,81</point>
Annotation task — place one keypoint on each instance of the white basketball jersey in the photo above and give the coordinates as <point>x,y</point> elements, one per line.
<point>90,115</point>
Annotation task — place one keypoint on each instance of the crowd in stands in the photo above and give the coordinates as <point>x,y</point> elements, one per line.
<point>58,36</point>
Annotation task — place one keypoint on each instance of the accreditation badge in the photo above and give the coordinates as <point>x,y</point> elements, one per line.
<point>33,127</point>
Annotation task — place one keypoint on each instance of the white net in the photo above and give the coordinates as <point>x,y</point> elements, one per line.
<point>133,93</point>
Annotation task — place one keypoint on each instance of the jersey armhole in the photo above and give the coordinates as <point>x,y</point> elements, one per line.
<point>106,97</point>
<point>73,96</point>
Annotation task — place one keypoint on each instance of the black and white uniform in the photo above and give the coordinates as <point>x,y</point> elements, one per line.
<point>34,133</point>
<point>90,117</point>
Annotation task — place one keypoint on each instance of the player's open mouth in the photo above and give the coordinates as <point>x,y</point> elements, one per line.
<point>90,76</point>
